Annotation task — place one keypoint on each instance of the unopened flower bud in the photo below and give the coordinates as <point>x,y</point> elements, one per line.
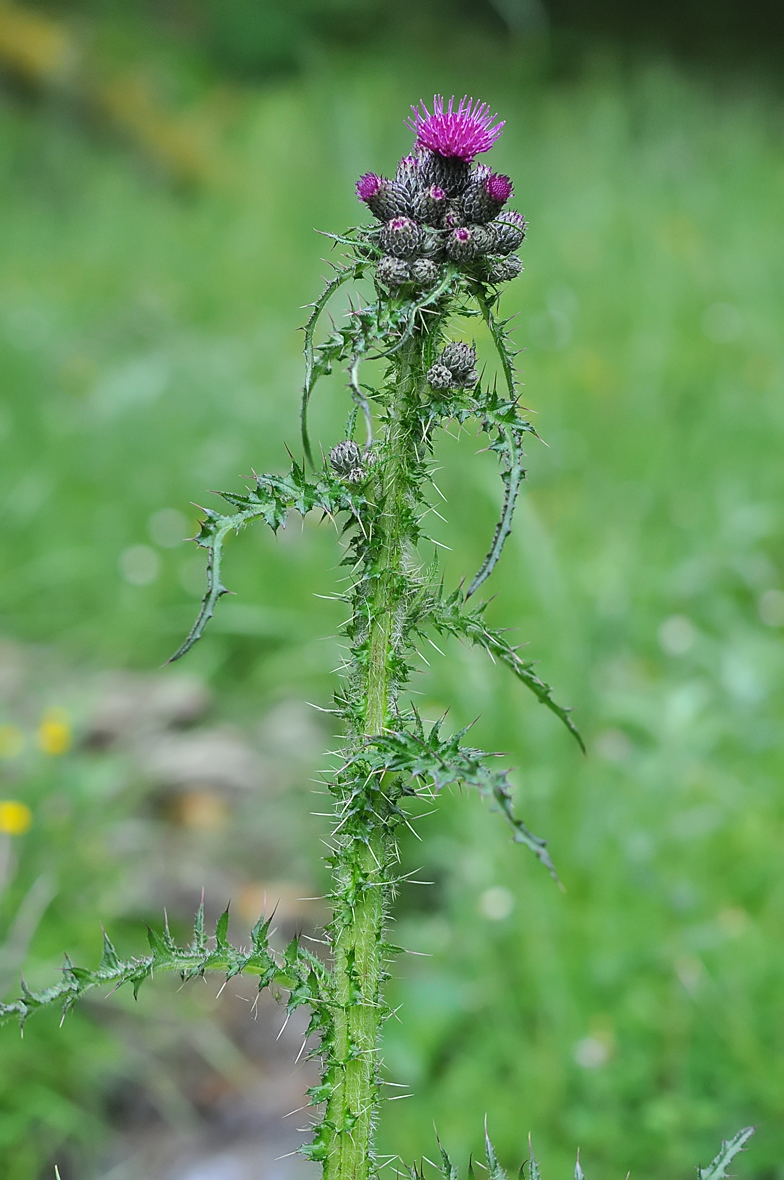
<point>432,206</point>
<point>503,270</point>
<point>345,458</point>
<point>484,238</point>
<point>357,475</point>
<point>459,358</point>
<point>486,195</point>
<point>384,198</point>
<point>409,178</point>
<point>454,217</point>
<point>508,231</point>
<point>450,173</point>
<point>432,244</point>
<point>401,237</point>
<point>470,379</point>
<point>440,378</point>
<point>460,244</point>
<point>424,272</point>
<point>392,272</point>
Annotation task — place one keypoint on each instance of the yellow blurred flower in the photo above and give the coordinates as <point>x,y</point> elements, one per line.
<point>54,732</point>
<point>15,817</point>
<point>11,741</point>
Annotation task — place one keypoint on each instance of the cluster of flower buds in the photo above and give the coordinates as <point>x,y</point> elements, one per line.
<point>349,463</point>
<point>455,368</point>
<point>441,207</point>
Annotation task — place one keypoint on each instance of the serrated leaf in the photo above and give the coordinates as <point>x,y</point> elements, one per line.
<point>109,959</point>
<point>448,1169</point>
<point>449,616</point>
<point>533,1165</point>
<point>494,1169</point>
<point>442,762</point>
<point>305,975</point>
<point>222,929</point>
<point>717,1169</point>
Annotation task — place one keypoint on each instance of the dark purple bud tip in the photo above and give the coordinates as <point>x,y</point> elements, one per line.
<point>435,193</point>
<point>368,186</point>
<point>498,187</point>
<point>460,245</point>
<point>401,224</point>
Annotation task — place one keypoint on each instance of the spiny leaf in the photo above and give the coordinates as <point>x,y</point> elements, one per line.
<point>447,616</point>
<point>533,1166</point>
<point>494,1169</point>
<point>342,277</point>
<point>199,936</point>
<point>299,971</point>
<point>512,477</point>
<point>717,1170</point>
<point>222,930</point>
<point>270,500</point>
<point>511,451</point>
<point>426,757</point>
<point>448,1169</point>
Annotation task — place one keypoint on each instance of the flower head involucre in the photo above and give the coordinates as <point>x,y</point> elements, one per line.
<point>384,198</point>
<point>461,132</point>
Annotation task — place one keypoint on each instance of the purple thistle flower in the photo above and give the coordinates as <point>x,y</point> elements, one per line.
<point>499,187</point>
<point>462,133</point>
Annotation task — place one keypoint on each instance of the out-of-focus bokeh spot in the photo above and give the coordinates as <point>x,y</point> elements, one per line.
<point>54,734</point>
<point>15,818</point>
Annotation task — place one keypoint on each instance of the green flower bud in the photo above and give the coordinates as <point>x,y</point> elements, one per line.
<point>392,272</point>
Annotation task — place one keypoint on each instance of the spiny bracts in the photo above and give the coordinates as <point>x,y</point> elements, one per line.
<point>440,209</point>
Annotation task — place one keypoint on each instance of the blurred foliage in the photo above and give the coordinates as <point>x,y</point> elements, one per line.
<point>149,348</point>
<point>254,38</point>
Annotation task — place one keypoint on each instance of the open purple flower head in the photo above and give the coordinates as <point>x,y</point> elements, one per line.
<point>461,132</point>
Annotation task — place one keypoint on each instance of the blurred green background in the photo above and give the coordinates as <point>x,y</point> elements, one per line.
<point>163,169</point>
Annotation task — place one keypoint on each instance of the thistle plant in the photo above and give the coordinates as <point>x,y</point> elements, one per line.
<point>441,246</point>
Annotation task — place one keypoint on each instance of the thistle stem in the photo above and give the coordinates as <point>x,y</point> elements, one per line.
<point>367,851</point>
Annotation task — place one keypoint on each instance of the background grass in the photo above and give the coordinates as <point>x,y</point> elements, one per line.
<point>149,351</point>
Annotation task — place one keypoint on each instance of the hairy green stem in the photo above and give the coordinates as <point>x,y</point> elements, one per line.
<point>366,854</point>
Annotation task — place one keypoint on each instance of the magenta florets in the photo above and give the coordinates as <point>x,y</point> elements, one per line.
<point>499,187</point>
<point>463,132</point>
<point>368,185</point>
